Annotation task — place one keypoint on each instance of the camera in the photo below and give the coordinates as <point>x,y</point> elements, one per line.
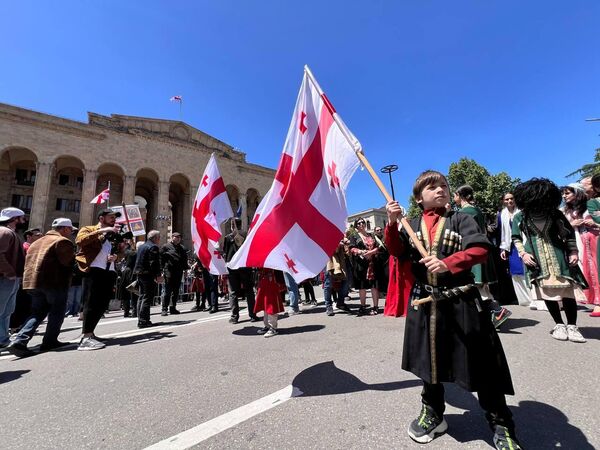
<point>115,238</point>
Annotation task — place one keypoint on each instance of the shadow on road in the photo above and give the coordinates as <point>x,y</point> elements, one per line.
<point>590,332</point>
<point>253,331</point>
<point>326,379</point>
<point>140,338</point>
<point>538,424</point>
<point>11,375</point>
<point>513,324</point>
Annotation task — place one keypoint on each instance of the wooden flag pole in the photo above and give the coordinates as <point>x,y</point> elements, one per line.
<point>403,221</point>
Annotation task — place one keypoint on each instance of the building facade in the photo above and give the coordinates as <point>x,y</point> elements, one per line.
<point>375,217</point>
<point>53,167</point>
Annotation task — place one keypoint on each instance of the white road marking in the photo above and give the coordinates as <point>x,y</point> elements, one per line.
<point>197,434</point>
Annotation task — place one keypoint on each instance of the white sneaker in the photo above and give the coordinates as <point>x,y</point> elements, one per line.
<point>271,332</point>
<point>89,343</point>
<point>574,335</point>
<point>559,332</point>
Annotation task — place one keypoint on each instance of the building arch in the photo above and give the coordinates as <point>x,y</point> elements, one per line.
<point>18,170</point>
<point>65,191</point>
<point>252,201</point>
<point>146,187</point>
<point>179,202</point>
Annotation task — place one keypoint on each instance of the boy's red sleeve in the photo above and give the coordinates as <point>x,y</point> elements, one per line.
<point>392,240</point>
<point>466,259</point>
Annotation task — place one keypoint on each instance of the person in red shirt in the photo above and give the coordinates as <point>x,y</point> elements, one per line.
<point>449,337</point>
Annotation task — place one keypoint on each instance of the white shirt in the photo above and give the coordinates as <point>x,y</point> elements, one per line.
<point>102,257</point>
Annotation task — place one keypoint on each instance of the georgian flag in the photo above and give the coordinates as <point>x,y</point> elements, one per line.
<point>211,208</point>
<point>102,197</point>
<point>176,98</point>
<point>301,220</point>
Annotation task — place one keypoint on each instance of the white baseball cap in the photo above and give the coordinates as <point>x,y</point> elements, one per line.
<point>62,222</point>
<point>10,213</point>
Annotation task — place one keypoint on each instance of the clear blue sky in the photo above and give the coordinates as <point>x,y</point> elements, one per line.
<point>420,83</point>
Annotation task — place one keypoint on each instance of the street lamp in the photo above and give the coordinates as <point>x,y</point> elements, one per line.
<point>389,169</point>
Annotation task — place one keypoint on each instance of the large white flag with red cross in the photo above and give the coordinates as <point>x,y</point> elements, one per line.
<point>302,218</point>
<point>211,208</point>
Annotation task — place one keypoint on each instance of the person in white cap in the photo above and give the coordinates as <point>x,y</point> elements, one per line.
<point>48,270</point>
<point>12,259</point>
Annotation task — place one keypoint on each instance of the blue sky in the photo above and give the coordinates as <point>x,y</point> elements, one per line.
<point>420,83</point>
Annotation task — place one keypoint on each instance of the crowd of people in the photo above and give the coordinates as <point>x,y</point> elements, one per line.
<point>540,251</point>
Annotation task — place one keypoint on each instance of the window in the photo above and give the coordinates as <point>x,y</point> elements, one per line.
<point>79,182</point>
<point>368,225</point>
<point>64,204</point>
<point>25,177</point>
<point>22,202</point>
<point>63,179</point>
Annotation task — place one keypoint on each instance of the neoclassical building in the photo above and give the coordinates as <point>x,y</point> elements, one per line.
<point>52,167</point>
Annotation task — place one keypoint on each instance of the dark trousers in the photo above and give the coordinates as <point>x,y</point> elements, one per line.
<point>128,298</point>
<point>241,285</point>
<point>309,292</point>
<point>211,291</point>
<point>46,302</point>
<point>98,287</point>
<point>171,295</point>
<point>147,287</point>
<point>490,400</point>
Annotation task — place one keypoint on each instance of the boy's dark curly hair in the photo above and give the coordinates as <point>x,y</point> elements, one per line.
<point>538,195</point>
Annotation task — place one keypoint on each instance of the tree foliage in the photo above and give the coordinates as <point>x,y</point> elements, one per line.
<point>588,170</point>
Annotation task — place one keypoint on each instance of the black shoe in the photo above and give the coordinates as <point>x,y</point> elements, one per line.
<point>174,311</point>
<point>233,319</point>
<point>504,439</point>
<point>342,307</point>
<point>164,313</point>
<point>126,314</point>
<point>263,330</point>
<point>134,314</point>
<point>19,349</point>
<point>147,324</point>
<point>427,426</point>
<point>362,311</point>
<point>196,309</point>
<point>255,319</point>
<point>53,346</point>
<point>202,308</point>
<point>329,311</point>
<point>213,310</point>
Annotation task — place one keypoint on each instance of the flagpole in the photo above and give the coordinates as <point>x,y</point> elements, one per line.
<point>363,159</point>
<point>180,106</point>
<point>108,199</point>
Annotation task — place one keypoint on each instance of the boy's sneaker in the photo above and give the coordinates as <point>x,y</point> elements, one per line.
<point>500,316</point>
<point>505,440</point>
<point>427,426</point>
<point>271,332</point>
<point>329,311</point>
<point>89,343</point>
<point>263,330</point>
<point>574,335</point>
<point>559,332</point>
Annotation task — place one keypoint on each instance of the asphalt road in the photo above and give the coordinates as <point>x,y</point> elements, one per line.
<point>349,390</point>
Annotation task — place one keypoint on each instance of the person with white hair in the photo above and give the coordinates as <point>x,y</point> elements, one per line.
<point>148,270</point>
<point>12,260</point>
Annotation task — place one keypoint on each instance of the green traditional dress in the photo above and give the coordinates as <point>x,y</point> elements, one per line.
<point>550,240</point>
<point>483,273</point>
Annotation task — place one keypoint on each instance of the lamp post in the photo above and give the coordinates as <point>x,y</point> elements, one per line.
<point>389,169</point>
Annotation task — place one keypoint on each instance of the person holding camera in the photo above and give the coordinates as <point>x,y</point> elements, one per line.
<point>97,260</point>
<point>148,271</point>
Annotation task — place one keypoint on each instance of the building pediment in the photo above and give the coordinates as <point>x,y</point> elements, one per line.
<point>164,129</point>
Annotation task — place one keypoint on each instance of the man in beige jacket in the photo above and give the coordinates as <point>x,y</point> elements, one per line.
<point>48,269</point>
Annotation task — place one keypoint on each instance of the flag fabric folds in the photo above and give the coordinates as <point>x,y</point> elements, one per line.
<point>102,197</point>
<point>176,98</point>
<point>301,220</point>
<point>211,208</point>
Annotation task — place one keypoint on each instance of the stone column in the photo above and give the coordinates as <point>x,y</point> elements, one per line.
<point>41,191</point>
<point>162,209</point>
<point>88,192</point>
<point>129,190</point>
<point>242,200</point>
<point>190,198</point>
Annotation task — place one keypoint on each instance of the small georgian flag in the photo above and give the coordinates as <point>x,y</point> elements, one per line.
<point>102,197</point>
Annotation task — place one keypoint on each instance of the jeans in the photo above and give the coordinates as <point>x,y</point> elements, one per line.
<point>8,296</point>
<point>74,300</point>
<point>293,292</point>
<point>328,291</point>
<point>46,302</point>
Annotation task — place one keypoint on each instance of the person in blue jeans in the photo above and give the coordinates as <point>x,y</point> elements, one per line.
<point>12,259</point>
<point>48,270</point>
<point>293,292</point>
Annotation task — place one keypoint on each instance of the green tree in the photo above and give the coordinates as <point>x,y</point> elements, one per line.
<point>413,208</point>
<point>588,170</point>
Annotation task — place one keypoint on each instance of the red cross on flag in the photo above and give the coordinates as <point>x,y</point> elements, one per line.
<point>102,197</point>
<point>211,208</point>
<point>300,221</point>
